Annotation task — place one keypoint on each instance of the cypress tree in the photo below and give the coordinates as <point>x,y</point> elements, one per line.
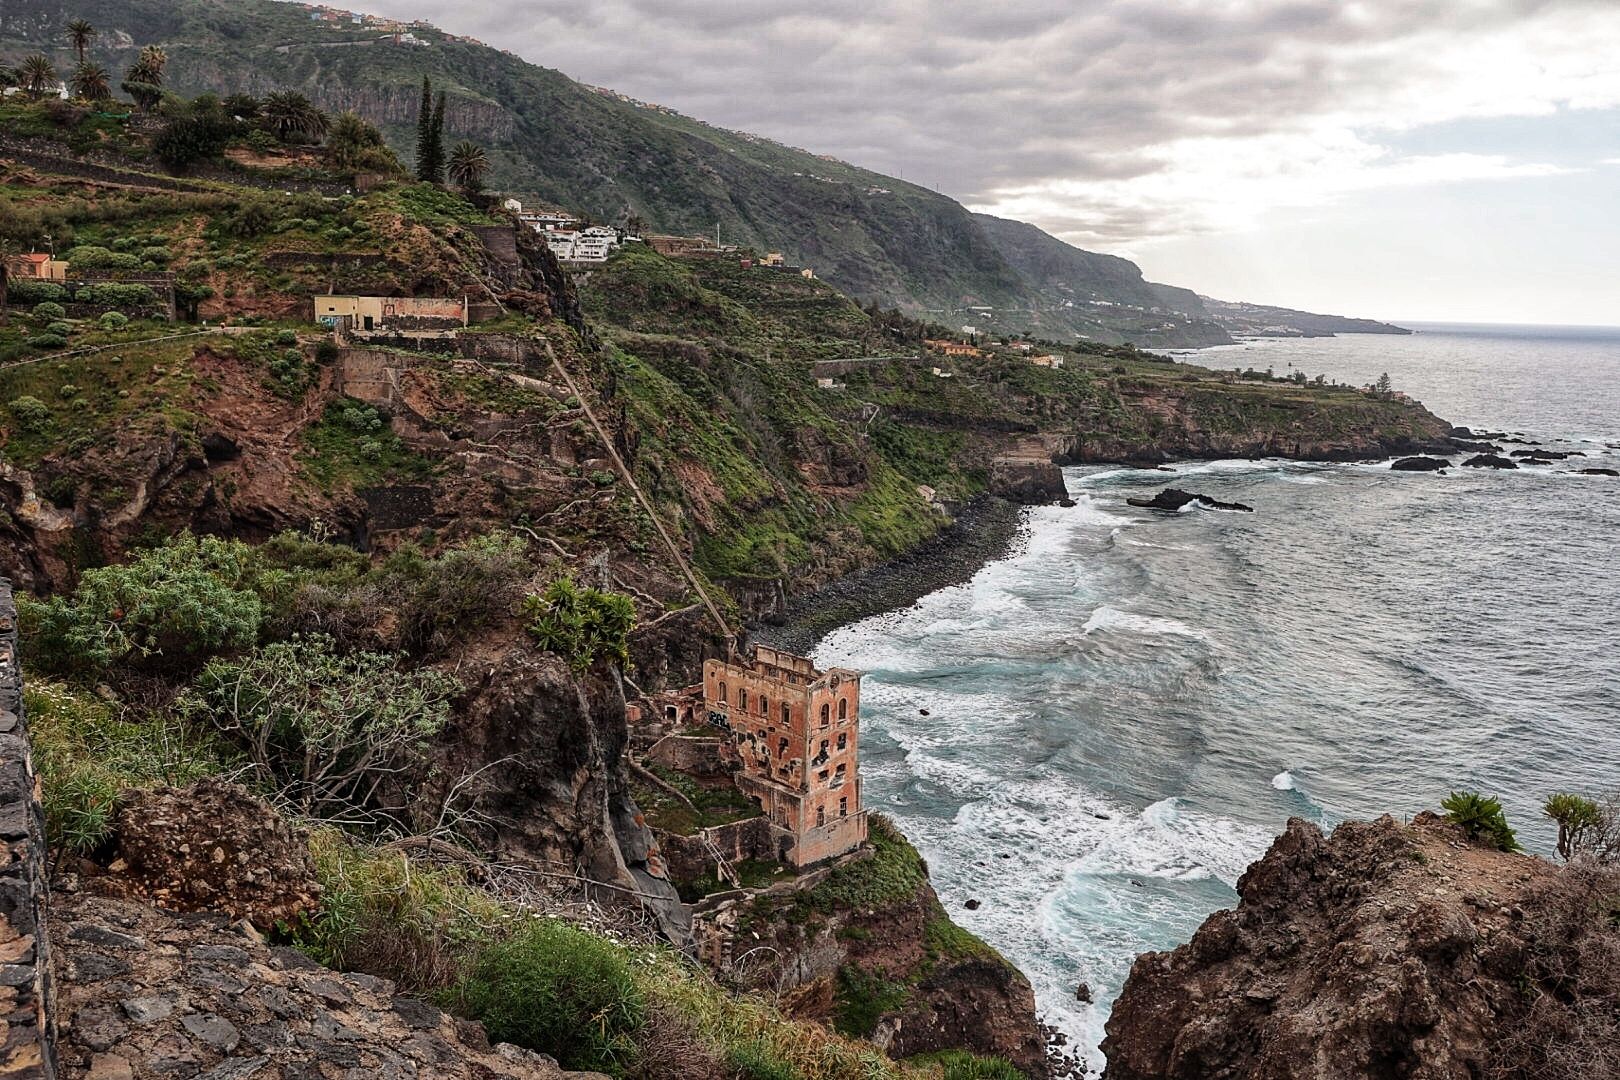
<point>424,133</point>
<point>436,137</point>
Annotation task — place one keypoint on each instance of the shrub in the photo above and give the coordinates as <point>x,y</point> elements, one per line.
<point>326,729</point>
<point>286,337</point>
<point>384,915</point>
<point>157,254</point>
<point>757,1061</point>
<point>581,625</point>
<point>1584,827</point>
<point>1481,817</point>
<point>113,320</point>
<point>59,328</point>
<point>22,291</point>
<point>48,341</point>
<point>92,257</point>
<point>86,756</point>
<point>555,988</point>
<point>31,413</point>
<point>117,295</point>
<point>961,1065</point>
<point>326,352</point>
<point>188,598</point>
<point>443,598</point>
<point>50,309</point>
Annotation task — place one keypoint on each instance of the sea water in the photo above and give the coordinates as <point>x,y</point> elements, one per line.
<point>1096,736</point>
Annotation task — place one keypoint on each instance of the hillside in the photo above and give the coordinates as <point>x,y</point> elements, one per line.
<point>1263,320</point>
<point>875,237</point>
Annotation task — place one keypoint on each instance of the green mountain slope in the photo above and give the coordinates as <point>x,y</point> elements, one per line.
<point>877,238</point>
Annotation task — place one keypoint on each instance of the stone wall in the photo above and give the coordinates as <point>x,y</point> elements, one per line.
<point>28,1048</point>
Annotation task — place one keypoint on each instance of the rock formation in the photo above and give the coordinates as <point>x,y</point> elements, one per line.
<point>1385,950</point>
<point>1490,461</point>
<point>1420,464</point>
<point>1172,500</point>
<point>214,847</point>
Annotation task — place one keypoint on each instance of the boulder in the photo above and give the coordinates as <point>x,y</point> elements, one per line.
<point>1549,455</point>
<point>1490,461</point>
<point>1027,481</point>
<point>213,846</point>
<point>1420,464</point>
<point>1171,500</point>
<point>1599,472</point>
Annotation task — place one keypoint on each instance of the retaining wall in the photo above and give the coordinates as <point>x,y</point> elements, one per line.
<point>28,1046</point>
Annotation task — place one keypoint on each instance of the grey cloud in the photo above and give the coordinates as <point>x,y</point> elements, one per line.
<point>979,98</point>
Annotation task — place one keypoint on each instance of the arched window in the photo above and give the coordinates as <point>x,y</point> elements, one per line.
<point>826,713</point>
<point>722,693</point>
<point>843,708</point>
<point>843,741</point>
<point>786,714</point>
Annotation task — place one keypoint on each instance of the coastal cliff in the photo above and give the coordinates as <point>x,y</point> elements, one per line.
<point>1383,950</point>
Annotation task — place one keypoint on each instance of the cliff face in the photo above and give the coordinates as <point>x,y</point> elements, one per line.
<point>1384,950</point>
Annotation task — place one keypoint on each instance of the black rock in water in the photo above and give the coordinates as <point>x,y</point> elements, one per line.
<point>1082,994</point>
<point>972,905</point>
<point>1491,461</point>
<point>1599,472</point>
<point>1421,464</point>
<point>1173,499</point>
<point>1548,455</point>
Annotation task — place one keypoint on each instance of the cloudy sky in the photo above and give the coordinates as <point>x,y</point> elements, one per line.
<point>1396,158</point>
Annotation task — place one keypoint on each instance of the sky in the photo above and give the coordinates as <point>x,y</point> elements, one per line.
<point>1399,159</point>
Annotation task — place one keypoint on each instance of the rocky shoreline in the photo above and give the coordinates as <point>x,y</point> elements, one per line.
<point>983,531</point>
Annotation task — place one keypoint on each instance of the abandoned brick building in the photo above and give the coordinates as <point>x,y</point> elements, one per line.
<point>795,733</point>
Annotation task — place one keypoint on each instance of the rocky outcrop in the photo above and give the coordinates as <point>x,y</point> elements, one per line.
<point>1490,461</point>
<point>1385,950</point>
<point>214,847</point>
<point>150,994</point>
<point>539,750</point>
<point>1029,481</point>
<point>26,985</point>
<point>1172,500</point>
<point>1600,472</point>
<point>1420,464</point>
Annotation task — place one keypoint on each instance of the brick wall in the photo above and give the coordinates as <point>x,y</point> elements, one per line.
<point>28,1047</point>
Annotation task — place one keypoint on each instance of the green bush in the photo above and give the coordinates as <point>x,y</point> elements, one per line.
<point>1481,817</point>
<point>557,989</point>
<point>86,756</point>
<point>384,915</point>
<point>862,999</point>
<point>59,328</point>
<point>50,309</point>
<point>1582,824</point>
<point>112,321</point>
<point>188,598</point>
<point>31,413</point>
<point>159,255</point>
<point>581,625</point>
<point>24,291</point>
<point>114,294</point>
<point>48,341</point>
<point>441,599</point>
<point>286,337</point>
<point>326,729</point>
<point>757,1061</point>
<point>961,1065</point>
<point>91,257</point>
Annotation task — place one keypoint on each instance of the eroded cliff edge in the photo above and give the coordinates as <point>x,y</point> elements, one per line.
<point>1384,950</point>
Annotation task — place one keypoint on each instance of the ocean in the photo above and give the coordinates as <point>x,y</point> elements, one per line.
<point>1096,735</point>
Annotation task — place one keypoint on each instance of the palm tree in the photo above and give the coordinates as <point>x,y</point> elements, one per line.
<point>289,115</point>
<point>467,166</point>
<point>37,74</point>
<point>144,80</point>
<point>92,83</point>
<point>80,34</point>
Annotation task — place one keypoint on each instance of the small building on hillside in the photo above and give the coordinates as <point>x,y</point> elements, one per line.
<point>391,313</point>
<point>37,266</point>
<point>1051,360</point>
<point>795,731</point>
<point>953,348</point>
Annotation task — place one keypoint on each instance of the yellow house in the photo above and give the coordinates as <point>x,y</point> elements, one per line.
<point>391,312</point>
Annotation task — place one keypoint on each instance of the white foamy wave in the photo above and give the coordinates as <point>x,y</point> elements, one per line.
<point>1107,618</point>
<point>1283,781</point>
<point>1164,842</point>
